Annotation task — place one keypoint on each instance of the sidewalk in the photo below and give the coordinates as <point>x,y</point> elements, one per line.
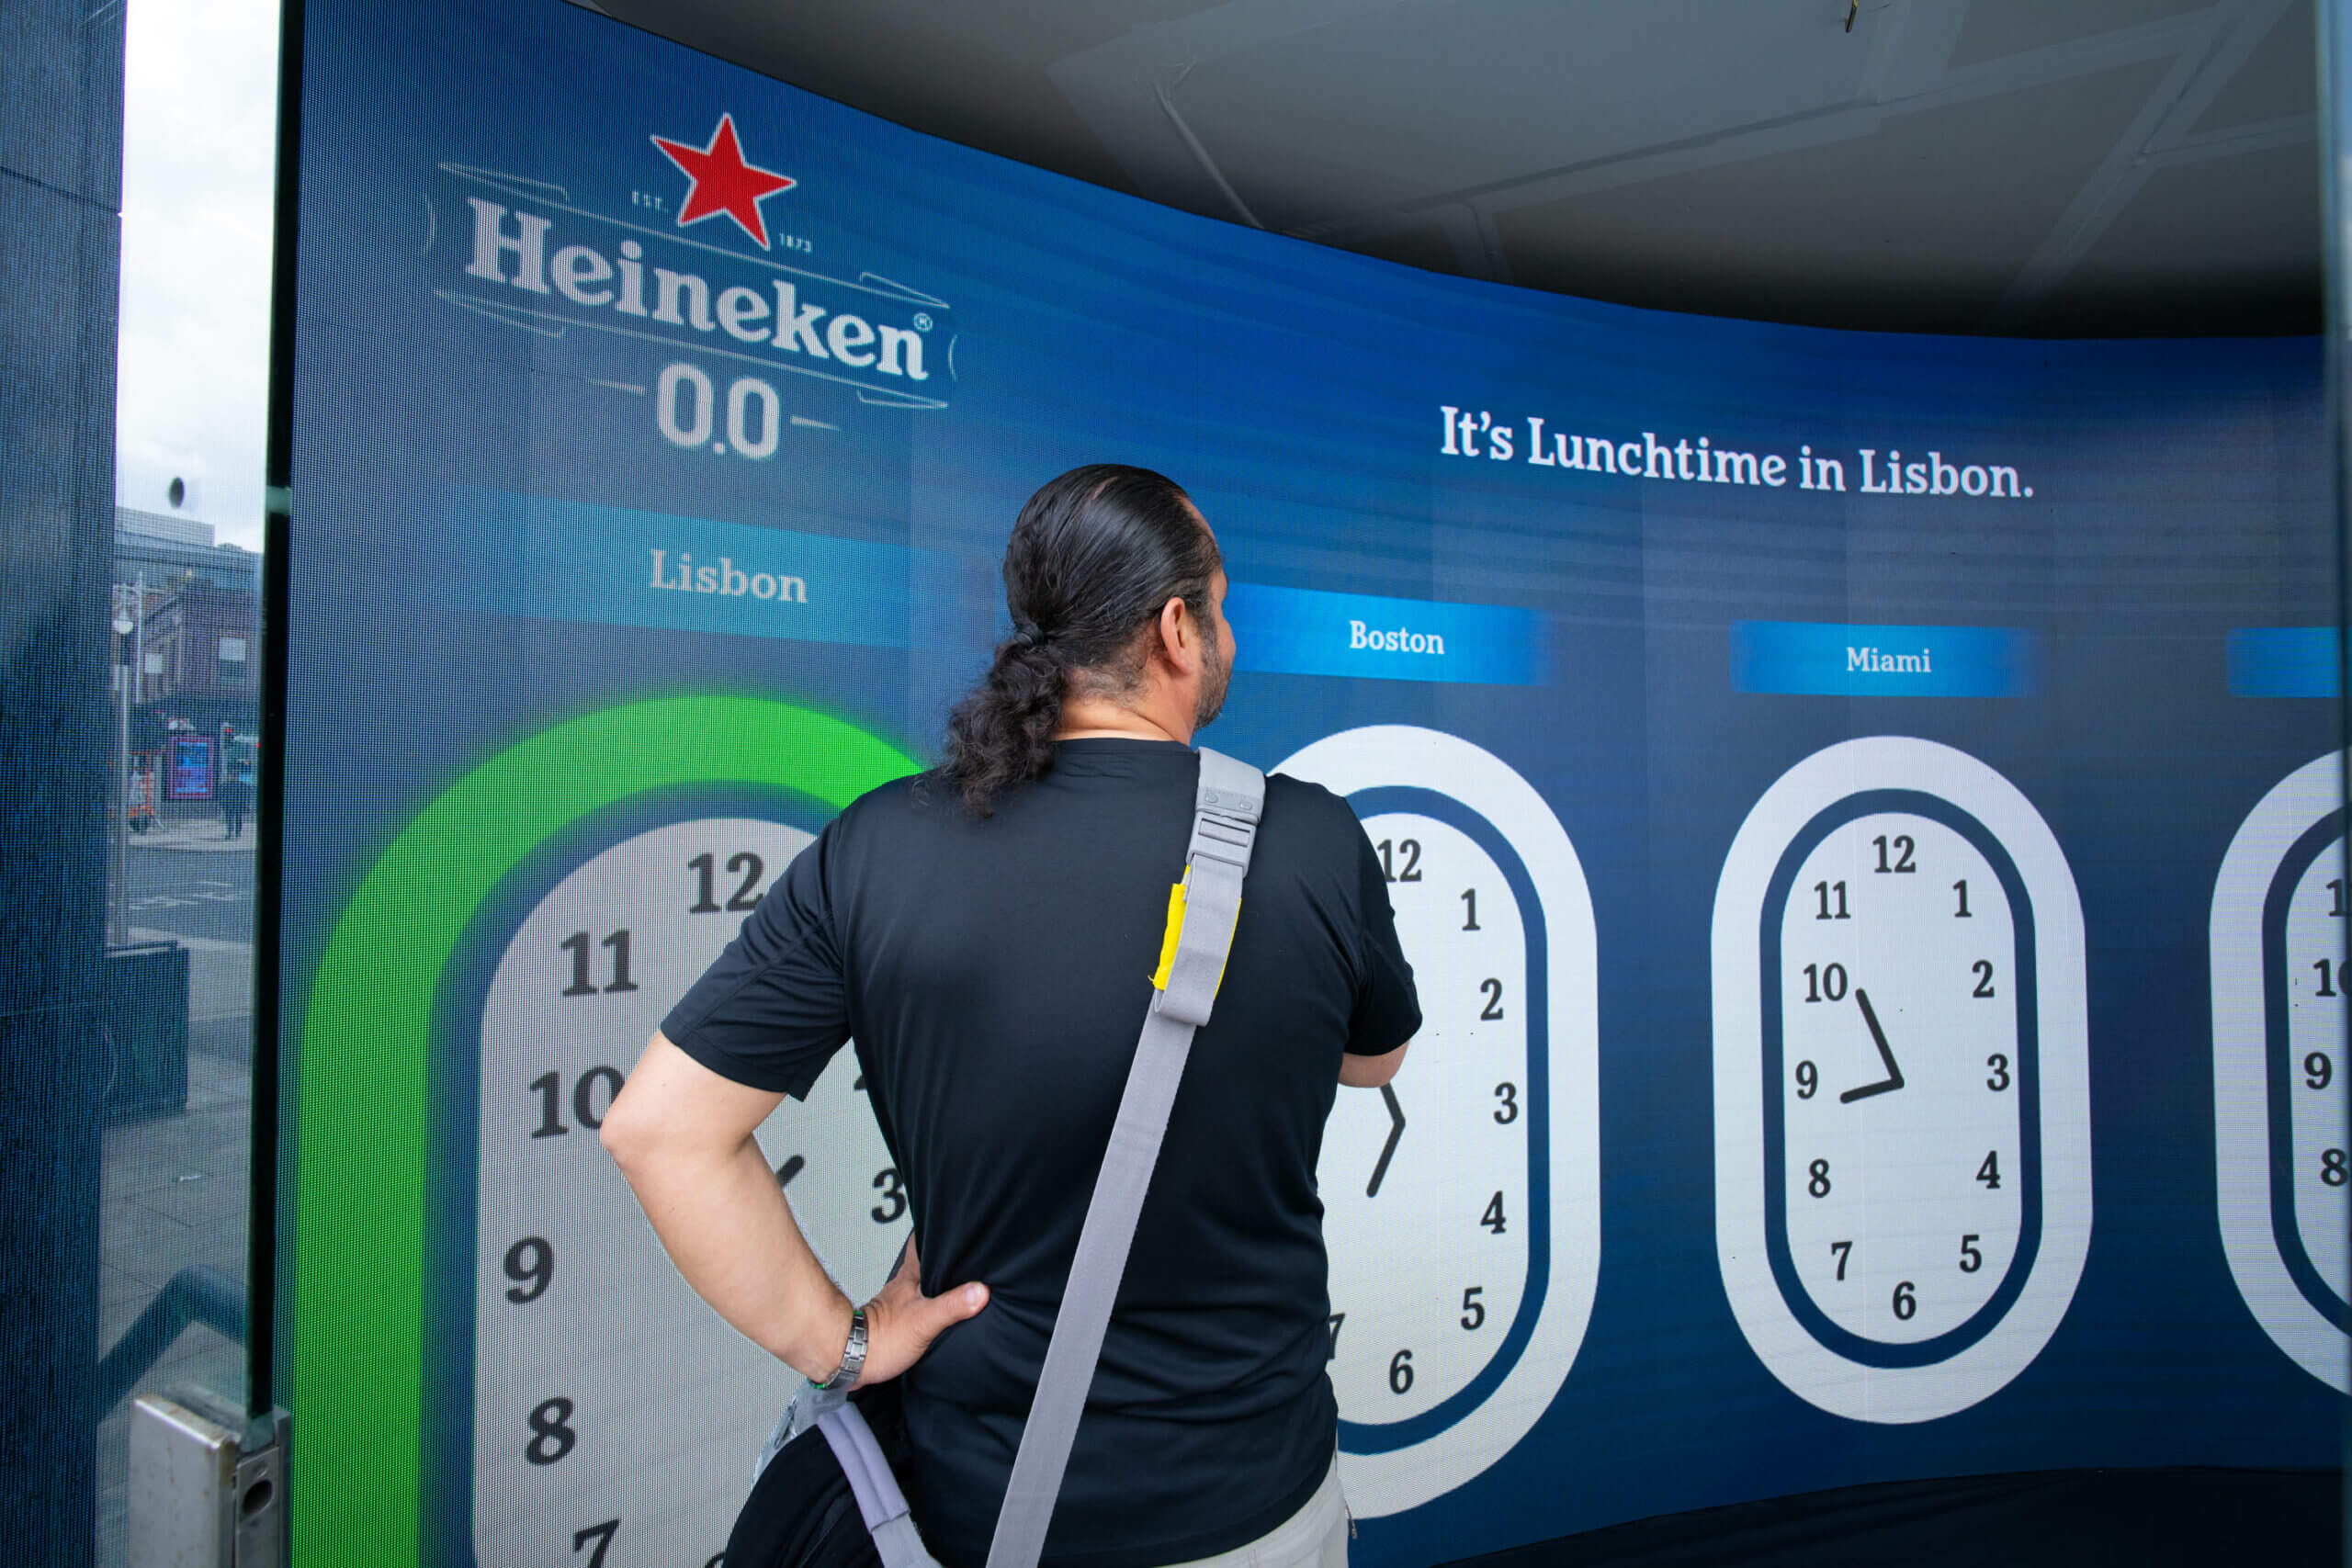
<point>200,834</point>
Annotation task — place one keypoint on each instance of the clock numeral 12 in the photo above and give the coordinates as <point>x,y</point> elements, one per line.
<point>743,898</point>
<point>1410,849</point>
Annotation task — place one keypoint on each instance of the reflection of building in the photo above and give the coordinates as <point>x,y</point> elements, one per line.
<point>198,641</point>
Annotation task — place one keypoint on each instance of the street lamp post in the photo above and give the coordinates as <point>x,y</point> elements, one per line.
<point>127,616</point>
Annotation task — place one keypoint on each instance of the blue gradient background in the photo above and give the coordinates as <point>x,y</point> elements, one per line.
<point>2180,494</point>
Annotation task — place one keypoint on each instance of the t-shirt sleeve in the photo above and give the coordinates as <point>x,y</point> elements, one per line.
<point>773,1009</point>
<point>1387,1010</point>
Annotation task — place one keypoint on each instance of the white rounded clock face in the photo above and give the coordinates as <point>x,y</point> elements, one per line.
<point>1462,1201</point>
<point>584,1337</point>
<point>1903,1196</point>
<point>2278,1058</point>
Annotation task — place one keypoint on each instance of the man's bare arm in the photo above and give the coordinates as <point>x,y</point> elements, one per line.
<point>681,1136</point>
<point>1371,1072</point>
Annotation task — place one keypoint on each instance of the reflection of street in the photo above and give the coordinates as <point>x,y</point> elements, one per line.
<point>192,895</point>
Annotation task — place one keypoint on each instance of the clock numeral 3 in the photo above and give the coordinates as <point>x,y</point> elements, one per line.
<point>1508,1111</point>
<point>894,1196</point>
<point>2000,1078</point>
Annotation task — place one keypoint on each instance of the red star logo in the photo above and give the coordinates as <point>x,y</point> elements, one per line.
<point>723,182</point>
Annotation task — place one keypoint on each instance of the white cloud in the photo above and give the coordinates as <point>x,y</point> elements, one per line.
<point>200,154</point>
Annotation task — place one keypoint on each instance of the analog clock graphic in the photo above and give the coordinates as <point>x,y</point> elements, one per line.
<point>584,1334</point>
<point>482,1322</point>
<point>1462,1201</point>
<point>1902,1102</point>
<point>2278,1060</point>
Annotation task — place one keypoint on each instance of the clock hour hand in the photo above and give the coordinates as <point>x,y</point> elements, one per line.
<point>1388,1149</point>
<point>1893,1079</point>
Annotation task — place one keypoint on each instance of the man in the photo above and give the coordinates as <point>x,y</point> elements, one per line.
<point>987,933</point>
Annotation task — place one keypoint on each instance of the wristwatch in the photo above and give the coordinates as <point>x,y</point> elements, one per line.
<point>853,1354</point>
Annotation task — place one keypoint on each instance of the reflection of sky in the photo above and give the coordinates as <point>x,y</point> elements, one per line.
<point>199,123</point>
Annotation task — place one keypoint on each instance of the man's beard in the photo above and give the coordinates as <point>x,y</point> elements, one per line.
<point>1216,674</point>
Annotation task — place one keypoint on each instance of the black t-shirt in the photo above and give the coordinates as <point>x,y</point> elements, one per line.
<point>994,974</point>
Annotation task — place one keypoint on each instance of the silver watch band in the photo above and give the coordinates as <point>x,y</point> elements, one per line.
<point>853,1354</point>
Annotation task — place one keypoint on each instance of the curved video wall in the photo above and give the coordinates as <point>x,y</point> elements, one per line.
<point>1862,810</point>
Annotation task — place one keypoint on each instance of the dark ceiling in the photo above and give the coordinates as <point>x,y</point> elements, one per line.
<point>2038,167</point>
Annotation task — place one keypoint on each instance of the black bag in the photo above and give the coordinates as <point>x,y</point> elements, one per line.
<point>801,1512</point>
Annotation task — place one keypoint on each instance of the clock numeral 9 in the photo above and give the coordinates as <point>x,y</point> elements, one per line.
<point>1410,849</point>
<point>577,944</point>
<point>2000,1078</point>
<point>1400,1372</point>
<point>1906,1305</point>
<point>743,898</point>
<point>894,1196</point>
<point>551,1433</point>
<point>2331,1167</point>
<point>1972,1256</point>
<point>1825,982</point>
<point>1904,845</point>
<point>550,1089</point>
<point>1506,1112</point>
<point>2327,986</point>
<point>1808,1080</point>
<point>1493,991</point>
<point>1473,1311</point>
<point>1818,1179</point>
<point>602,1535</point>
<point>530,1262</point>
<point>2319,1069</point>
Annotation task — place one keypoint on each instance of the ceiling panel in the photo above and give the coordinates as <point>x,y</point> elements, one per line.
<point>1920,226</point>
<point>1997,29</point>
<point>2280,78</point>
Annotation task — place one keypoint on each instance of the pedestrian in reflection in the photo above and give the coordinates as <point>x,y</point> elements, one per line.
<point>236,791</point>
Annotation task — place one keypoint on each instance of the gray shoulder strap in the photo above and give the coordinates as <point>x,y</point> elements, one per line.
<point>880,1501</point>
<point>1224,829</point>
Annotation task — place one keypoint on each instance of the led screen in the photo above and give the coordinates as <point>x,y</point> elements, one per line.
<point>1861,809</point>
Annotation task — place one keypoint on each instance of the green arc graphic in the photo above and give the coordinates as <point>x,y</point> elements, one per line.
<point>356,1291</point>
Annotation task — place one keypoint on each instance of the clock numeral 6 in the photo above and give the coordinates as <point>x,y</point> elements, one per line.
<point>1906,1303</point>
<point>2331,1167</point>
<point>551,1433</point>
<point>1400,1371</point>
<point>1972,1256</point>
<point>602,1535</point>
<point>548,1087</point>
<point>1473,1311</point>
<point>530,1263</point>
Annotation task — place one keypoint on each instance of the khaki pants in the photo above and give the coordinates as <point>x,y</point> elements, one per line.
<point>1314,1537</point>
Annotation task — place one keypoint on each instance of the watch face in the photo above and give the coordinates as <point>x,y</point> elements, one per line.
<point>2278,1058</point>
<point>584,1337</point>
<point>1902,1104</point>
<point>1460,1201</point>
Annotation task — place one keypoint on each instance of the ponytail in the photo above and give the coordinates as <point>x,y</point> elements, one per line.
<point>1093,557</point>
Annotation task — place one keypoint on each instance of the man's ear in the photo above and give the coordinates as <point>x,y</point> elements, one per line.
<point>1173,617</point>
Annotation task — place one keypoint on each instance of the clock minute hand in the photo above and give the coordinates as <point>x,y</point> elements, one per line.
<point>1388,1149</point>
<point>1893,1079</point>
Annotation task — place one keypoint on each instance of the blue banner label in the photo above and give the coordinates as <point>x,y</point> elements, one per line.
<point>1302,631</point>
<point>1833,659</point>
